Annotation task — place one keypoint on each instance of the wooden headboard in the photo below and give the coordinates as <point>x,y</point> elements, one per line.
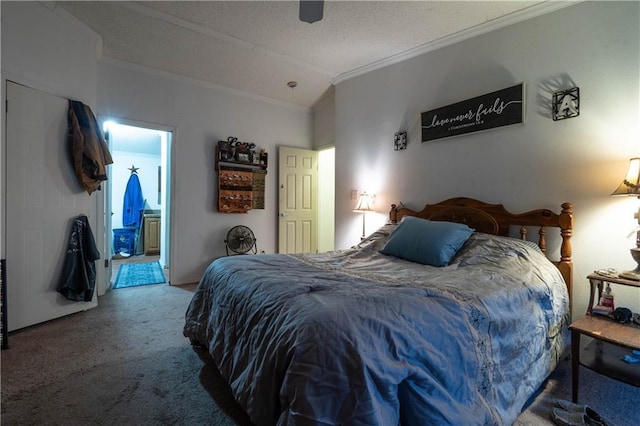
<point>495,219</point>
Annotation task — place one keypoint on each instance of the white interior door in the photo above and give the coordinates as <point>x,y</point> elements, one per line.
<point>43,197</point>
<point>298,200</point>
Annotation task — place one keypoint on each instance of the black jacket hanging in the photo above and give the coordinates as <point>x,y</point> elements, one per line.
<point>78,278</point>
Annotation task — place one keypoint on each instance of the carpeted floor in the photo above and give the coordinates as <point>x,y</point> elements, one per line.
<point>137,274</point>
<point>127,363</point>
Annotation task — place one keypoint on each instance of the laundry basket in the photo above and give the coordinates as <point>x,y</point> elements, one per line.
<point>124,241</point>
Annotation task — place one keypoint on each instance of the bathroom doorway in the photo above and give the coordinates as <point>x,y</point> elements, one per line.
<point>138,231</point>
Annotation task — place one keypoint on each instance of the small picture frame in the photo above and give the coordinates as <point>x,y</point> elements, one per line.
<point>400,141</point>
<point>243,156</point>
<point>255,158</point>
<point>566,104</point>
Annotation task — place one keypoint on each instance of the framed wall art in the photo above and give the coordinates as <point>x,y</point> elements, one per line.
<point>566,104</point>
<point>496,109</point>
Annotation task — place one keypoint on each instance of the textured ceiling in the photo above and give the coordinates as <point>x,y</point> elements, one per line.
<point>258,46</point>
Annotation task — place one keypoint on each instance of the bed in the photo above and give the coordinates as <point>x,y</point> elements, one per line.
<point>364,336</point>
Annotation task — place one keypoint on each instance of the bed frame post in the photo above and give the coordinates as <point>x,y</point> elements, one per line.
<point>542,239</point>
<point>566,231</point>
<point>393,214</point>
<point>523,233</point>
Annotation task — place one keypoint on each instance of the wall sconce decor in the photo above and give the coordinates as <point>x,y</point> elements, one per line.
<point>631,186</point>
<point>400,141</point>
<point>566,104</point>
<point>364,205</point>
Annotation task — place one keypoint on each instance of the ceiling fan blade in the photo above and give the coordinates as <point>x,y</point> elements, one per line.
<point>311,10</point>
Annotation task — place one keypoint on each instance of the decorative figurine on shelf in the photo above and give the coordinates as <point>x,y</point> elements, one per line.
<point>226,148</point>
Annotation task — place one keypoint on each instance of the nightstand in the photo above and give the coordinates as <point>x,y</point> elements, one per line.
<point>611,340</point>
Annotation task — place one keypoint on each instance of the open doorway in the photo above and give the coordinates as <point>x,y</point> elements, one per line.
<point>326,199</point>
<point>138,219</point>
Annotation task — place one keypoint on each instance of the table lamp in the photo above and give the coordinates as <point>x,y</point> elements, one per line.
<point>365,201</point>
<point>631,186</point>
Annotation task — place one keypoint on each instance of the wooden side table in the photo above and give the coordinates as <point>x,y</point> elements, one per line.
<point>612,340</point>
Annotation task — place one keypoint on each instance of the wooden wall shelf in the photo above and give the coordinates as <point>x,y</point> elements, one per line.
<point>241,176</point>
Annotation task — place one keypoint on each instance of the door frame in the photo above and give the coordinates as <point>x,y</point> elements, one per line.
<point>168,183</point>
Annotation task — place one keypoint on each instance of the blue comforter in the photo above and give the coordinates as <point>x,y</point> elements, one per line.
<point>355,337</point>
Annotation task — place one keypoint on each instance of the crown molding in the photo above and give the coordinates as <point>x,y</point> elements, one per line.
<point>498,23</point>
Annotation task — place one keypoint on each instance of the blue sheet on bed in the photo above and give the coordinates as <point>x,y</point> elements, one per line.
<point>357,337</point>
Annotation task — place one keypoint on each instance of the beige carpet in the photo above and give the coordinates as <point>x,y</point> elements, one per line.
<point>127,363</point>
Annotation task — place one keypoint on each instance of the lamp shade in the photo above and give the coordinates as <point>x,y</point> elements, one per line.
<point>365,202</point>
<point>631,183</point>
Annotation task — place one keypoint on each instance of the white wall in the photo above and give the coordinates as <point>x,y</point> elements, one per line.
<point>326,199</point>
<point>46,49</point>
<point>592,45</point>
<point>202,115</point>
<point>324,141</point>
<point>324,112</point>
<point>49,50</point>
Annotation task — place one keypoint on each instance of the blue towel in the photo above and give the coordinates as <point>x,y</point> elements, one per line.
<point>133,203</point>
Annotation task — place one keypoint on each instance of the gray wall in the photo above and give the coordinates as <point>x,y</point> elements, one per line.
<point>43,47</point>
<point>202,115</point>
<point>593,45</point>
<point>324,121</point>
<point>46,49</point>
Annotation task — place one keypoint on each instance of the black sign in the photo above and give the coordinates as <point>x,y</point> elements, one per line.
<point>495,109</point>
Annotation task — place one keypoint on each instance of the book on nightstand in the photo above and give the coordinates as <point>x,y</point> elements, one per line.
<point>601,310</point>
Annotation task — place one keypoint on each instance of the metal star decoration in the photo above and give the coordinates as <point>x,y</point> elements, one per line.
<point>134,169</point>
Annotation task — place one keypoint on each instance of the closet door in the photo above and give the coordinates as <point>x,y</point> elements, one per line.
<point>298,200</point>
<point>43,196</point>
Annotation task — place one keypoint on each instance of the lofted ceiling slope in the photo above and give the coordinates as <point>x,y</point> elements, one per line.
<point>256,47</point>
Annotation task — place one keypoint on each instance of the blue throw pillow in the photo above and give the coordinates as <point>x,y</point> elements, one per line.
<point>428,242</point>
